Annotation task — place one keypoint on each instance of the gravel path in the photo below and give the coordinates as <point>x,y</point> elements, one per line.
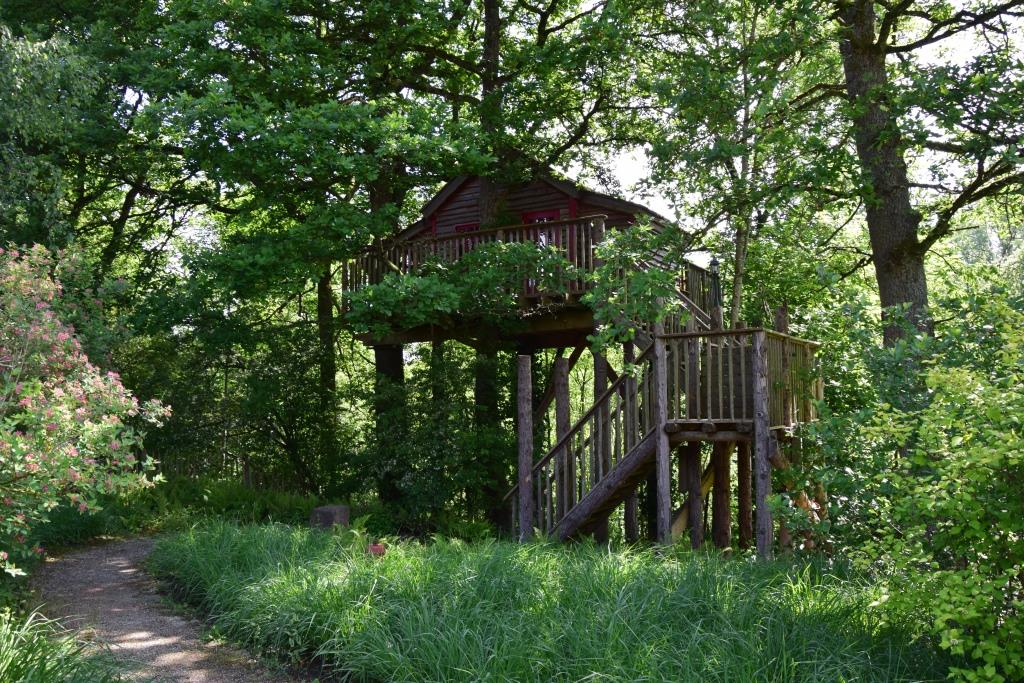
<point>103,593</point>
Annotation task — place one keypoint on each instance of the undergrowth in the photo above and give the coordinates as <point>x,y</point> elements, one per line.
<point>449,610</point>
<point>32,650</point>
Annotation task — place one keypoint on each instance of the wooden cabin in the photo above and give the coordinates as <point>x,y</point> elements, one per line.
<point>743,390</point>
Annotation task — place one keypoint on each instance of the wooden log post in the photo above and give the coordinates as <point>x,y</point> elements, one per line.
<point>602,450</point>
<point>695,494</point>
<point>566,465</point>
<point>746,521</point>
<point>721,514</point>
<point>662,453</point>
<point>524,413</point>
<point>762,446</point>
<point>631,513</point>
<point>782,325</point>
<point>389,406</point>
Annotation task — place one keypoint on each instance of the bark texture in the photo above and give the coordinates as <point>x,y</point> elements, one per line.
<point>896,250</point>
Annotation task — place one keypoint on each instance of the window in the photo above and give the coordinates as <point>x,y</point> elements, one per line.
<point>546,216</point>
<point>467,227</point>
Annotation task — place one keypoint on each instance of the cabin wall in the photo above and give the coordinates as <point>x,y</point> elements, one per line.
<point>462,208</point>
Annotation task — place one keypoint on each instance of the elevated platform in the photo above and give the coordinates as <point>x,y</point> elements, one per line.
<point>547,319</point>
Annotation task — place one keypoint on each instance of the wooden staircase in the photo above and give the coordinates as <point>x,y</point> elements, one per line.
<point>689,384</point>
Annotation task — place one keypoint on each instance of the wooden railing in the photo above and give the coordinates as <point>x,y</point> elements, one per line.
<point>710,380</point>
<point>794,382</point>
<point>710,377</point>
<point>613,426</point>
<point>573,238</point>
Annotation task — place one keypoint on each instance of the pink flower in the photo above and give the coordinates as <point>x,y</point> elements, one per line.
<point>3,555</point>
<point>114,445</point>
<point>82,507</point>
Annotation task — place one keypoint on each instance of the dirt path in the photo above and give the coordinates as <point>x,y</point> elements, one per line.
<point>103,593</point>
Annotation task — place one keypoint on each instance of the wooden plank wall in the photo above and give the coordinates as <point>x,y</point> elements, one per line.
<point>463,207</point>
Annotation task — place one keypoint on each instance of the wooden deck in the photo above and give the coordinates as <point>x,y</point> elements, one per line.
<point>575,239</point>
<point>710,392</point>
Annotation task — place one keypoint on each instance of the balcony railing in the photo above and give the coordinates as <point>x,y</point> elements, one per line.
<point>575,239</point>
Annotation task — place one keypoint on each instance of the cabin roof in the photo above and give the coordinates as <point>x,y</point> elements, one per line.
<point>566,187</point>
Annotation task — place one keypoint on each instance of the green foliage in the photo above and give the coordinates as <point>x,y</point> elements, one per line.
<point>631,287</point>
<point>454,611</point>
<point>174,504</point>
<point>43,86</point>
<point>482,287</point>
<point>927,493</point>
<point>32,650</point>
<point>951,517</point>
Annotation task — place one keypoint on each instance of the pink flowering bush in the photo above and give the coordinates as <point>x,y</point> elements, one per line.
<point>65,435</point>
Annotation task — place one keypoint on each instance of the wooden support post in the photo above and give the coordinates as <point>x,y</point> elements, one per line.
<point>390,413</point>
<point>721,515</point>
<point>662,453</point>
<point>782,325</point>
<point>692,373</point>
<point>524,412</point>
<point>746,521</point>
<point>602,450</point>
<point>695,494</point>
<point>762,466</point>
<point>631,513</point>
<point>566,464</point>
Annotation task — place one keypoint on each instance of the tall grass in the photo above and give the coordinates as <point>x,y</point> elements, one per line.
<point>502,612</point>
<point>33,651</point>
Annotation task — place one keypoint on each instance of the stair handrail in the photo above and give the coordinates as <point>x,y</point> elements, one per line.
<point>614,388</point>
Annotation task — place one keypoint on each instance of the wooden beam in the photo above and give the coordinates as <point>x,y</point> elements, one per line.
<point>695,496</point>
<point>679,435</point>
<point>681,521</point>
<point>662,454</point>
<point>762,467</point>
<point>746,521</point>
<point>602,450</point>
<point>566,465</point>
<point>631,513</point>
<point>721,515</point>
<point>524,412</point>
<point>608,491</point>
<point>549,392</point>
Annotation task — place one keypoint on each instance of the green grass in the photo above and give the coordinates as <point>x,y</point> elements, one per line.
<point>32,650</point>
<point>502,612</point>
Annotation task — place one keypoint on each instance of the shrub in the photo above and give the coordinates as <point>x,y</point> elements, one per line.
<point>950,515</point>
<point>65,435</point>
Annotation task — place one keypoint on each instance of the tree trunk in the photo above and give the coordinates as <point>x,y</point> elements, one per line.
<point>892,221</point>
<point>328,363</point>
<point>491,109</point>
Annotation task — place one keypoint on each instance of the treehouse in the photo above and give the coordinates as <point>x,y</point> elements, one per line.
<point>744,391</point>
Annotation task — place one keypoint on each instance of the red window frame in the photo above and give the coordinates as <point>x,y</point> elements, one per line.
<point>467,227</point>
<point>544,216</point>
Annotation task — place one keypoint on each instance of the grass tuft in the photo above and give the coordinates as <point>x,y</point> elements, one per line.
<point>33,650</point>
<point>506,612</point>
